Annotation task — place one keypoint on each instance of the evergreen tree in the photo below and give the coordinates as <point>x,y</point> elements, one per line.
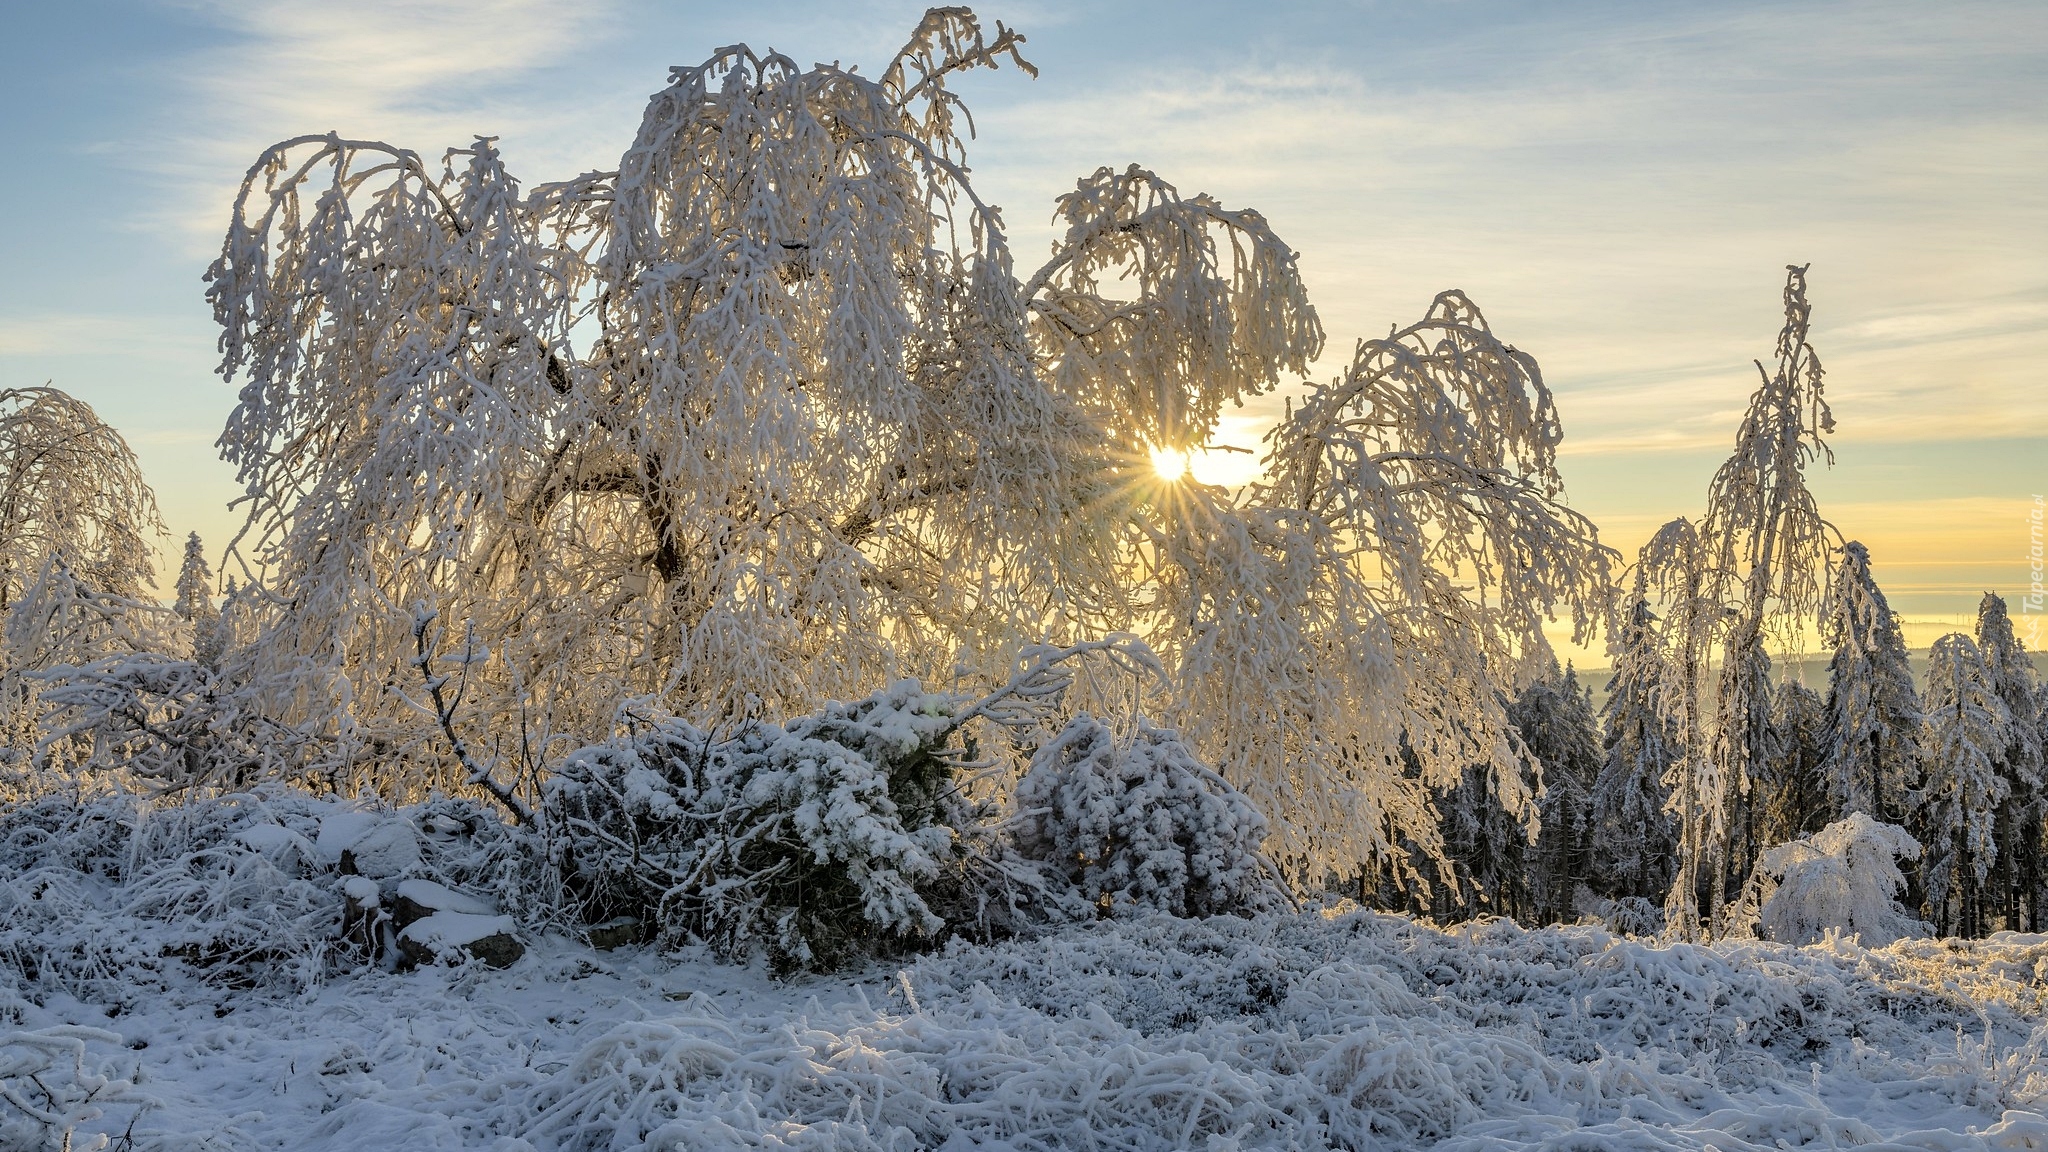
<point>1487,844</point>
<point>1873,713</point>
<point>2013,891</point>
<point>1635,840</point>
<point>1955,809</point>
<point>1791,790</point>
<point>195,603</point>
<point>1555,718</point>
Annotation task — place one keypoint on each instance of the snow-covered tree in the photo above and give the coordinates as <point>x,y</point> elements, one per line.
<point>2014,893</point>
<point>75,562</point>
<point>1965,731</point>
<point>1791,792</point>
<point>1770,541</point>
<point>1677,568</point>
<point>70,486</point>
<point>61,626</point>
<point>1635,842</point>
<point>1142,825</point>
<point>195,602</point>
<point>1873,712</point>
<point>1429,465</point>
<point>1555,717</point>
<point>764,417</point>
<point>1491,863</point>
<point>1844,878</point>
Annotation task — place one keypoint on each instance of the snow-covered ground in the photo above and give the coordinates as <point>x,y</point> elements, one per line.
<point>1326,1029</point>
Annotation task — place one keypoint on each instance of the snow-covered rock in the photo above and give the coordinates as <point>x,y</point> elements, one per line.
<point>454,935</point>
<point>388,850</point>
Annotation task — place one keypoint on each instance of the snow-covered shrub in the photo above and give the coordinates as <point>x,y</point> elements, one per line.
<point>1143,826</point>
<point>110,899</point>
<point>827,836</point>
<point>1628,916</point>
<point>113,899</point>
<point>51,1087</point>
<point>1843,877</point>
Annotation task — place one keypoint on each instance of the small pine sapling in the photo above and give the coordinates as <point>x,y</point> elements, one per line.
<point>1142,825</point>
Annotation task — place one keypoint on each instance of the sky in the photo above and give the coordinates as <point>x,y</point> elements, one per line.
<point>1619,186</point>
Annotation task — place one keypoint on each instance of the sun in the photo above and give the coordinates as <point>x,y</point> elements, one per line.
<point>1171,464</point>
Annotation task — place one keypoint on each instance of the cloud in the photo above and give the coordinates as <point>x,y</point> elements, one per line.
<point>92,334</point>
<point>417,75</point>
<point>1620,191</point>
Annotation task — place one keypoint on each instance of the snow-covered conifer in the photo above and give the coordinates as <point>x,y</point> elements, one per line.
<point>195,602</point>
<point>1143,825</point>
<point>1873,711</point>
<point>1967,728</point>
<point>1555,717</point>
<point>2013,894</point>
<point>1489,866</point>
<point>1635,842</point>
<point>1791,792</point>
<point>195,583</point>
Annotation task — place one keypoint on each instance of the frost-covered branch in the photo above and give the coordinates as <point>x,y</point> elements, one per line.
<point>446,704</point>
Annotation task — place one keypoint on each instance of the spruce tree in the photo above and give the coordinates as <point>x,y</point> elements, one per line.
<point>2012,894</point>
<point>1488,848</point>
<point>1873,714</point>
<point>1635,838</point>
<point>1955,809</point>
<point>1555,718</point>
<point>1791,790</point>
<point>195,602</point>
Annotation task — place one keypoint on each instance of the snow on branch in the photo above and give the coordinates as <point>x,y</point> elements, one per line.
<point>1157,309</point>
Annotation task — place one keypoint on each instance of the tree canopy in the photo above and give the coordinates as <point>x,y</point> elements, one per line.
<point>767,416</point>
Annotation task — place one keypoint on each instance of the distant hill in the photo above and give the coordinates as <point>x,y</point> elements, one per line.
<point>1811,669</point>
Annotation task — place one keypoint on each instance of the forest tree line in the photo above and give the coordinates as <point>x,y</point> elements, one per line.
<point>758,468</point>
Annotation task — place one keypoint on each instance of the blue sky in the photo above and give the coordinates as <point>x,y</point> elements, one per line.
<point>1619,186</point>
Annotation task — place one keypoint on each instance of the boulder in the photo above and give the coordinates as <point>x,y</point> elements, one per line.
<point>451,936</point>
<point>388,849</point>
<point>419,899</point>
<point>616,933</point>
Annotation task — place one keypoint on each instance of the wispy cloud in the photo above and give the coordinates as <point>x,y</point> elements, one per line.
<point>67,334</point>
<point>1620,190</point>
<point>420,76</point>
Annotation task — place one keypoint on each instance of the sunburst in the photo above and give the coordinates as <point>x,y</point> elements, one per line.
<point>1170,464</point>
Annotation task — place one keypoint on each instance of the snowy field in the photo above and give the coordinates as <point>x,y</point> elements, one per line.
<point>1337,1029</point>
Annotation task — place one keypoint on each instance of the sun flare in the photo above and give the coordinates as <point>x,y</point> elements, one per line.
<point>1170,463</point>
